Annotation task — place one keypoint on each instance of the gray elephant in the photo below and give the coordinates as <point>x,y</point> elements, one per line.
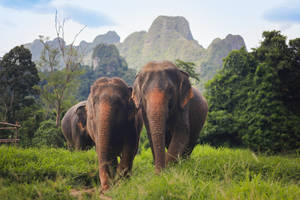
<point>173,111</point>
<point>73,126</point>
<point>114,125</point>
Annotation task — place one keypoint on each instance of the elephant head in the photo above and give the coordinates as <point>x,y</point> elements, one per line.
<point>80,112</point>
<point>74,127</point>
<point>162,91</point>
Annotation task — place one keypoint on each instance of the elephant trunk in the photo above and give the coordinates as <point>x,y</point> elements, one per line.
<point>102,143</point>
<point>156,114</point>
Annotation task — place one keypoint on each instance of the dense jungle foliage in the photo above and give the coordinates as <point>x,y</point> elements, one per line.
<point>254,100</point>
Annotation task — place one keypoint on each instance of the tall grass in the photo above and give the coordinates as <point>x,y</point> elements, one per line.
<point>214,174</point>
<point>210,173</point>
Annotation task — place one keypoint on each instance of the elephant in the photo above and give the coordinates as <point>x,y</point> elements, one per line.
<point>173,111</point>
<point>73,126</point>
<point>114,125</point>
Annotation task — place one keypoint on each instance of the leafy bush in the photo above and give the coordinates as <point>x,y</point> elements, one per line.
<point>48,135</point>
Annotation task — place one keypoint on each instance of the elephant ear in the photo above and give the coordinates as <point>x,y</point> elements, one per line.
<point>81,112</point>
<point>136,93</point>
<point>132,109</point>
<point>185,89</point>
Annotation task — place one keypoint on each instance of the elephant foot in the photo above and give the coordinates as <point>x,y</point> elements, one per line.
<point>123,172</point>
<point>102,196</point>
<point>104,188</point>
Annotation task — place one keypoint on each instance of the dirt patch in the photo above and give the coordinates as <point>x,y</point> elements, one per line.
<point>78,193</point>
<point>87,191</point>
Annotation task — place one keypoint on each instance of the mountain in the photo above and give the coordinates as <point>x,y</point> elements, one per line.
<point>111,37</point>
<point>84,48</point>
<point>216,51</point>
<point>107,62</point>
<point>168,38</point>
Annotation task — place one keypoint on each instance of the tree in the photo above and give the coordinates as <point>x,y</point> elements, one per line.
<point>18,76</point>
<point>48,135</point>
<point>58,80</point>
<point>188,67</point>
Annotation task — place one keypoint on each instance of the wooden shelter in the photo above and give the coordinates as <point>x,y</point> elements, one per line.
<point>9,126</point>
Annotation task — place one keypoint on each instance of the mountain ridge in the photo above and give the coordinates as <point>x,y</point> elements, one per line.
<point>168,38</point>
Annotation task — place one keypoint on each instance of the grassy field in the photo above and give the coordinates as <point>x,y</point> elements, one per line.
<point>209,174</point>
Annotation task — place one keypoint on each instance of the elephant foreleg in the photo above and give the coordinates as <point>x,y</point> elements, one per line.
<point>128,153</point>
<point>149,137</point>
<point>179,140</point>
<point>177,146</point>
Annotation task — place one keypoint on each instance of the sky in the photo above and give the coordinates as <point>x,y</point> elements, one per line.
<point>22,21</point>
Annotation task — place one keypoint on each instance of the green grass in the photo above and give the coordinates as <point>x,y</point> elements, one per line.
<point>210,173</point>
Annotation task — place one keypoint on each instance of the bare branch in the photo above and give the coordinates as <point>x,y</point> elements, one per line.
<point>78,34</point>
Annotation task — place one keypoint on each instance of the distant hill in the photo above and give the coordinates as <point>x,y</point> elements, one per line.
<point>106,62</point>
<point>214,54</point>
<point>85,48</point>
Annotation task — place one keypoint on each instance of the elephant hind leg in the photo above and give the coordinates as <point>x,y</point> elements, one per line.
<point>168,139</point>
<point>188,150</point>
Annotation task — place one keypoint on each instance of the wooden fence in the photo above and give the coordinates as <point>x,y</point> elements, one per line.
<point>9,126</point>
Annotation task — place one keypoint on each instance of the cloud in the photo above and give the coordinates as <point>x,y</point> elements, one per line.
<point>91,18</point>
<point>287,13</point>
<point>83,16</point>
<point>8,23</point>
<point>24,4</point>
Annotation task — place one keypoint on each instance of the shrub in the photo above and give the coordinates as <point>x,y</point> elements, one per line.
<point>48,135</point>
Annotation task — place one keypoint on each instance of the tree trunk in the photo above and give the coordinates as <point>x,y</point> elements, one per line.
<point>58,114</point>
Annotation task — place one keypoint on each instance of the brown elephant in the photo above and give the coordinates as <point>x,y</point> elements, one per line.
<point>114,126</point>
<point>73,126</point>
<point>173,111</point>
